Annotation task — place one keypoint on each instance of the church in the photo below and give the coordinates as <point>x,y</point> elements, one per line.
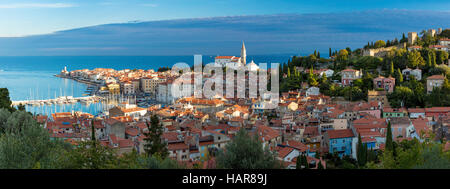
<point>235,61</point>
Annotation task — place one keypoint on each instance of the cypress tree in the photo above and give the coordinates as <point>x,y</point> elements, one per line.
<point>329,52</point>
<point>400,75</point>
<point>433,59</point>
<point>359,151</point>
<point>320,166</point>
<point>392,68</point>
<point>289,72</point>
<point>299,162</point>
<point>364,156</point>
<point>305,162</point>
<point>92,130</point>
<point>389,143</point>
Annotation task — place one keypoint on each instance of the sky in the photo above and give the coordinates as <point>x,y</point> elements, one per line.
<point>31,17</point>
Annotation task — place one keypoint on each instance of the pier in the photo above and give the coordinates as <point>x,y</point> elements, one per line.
<point>59,100</point>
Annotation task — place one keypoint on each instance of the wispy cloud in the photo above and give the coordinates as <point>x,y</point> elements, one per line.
<point>35,5</point>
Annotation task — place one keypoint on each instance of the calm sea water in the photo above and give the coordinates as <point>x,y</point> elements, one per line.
<point>33,77</point>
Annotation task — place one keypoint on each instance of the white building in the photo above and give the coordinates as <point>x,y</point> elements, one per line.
<point>328,72</point>
<point>167,96</point>
<point>417,73</point>
<point>444,42</point>
<point>234,61</point>
<point>128,88</point>
<point>313,91</point>
<point>252,66</point>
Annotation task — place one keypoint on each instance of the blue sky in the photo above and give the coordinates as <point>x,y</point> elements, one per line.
<point>29,17</point>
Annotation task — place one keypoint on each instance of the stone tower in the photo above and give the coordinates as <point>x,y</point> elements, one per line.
<point>243,54</point>
<point>412,37</point>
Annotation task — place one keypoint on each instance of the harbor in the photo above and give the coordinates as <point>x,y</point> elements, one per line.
<point>59,100</point>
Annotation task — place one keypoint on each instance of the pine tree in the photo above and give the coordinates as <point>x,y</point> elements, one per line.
<point>318,55</point>
<point>154,144</point>
<point>329,52</point>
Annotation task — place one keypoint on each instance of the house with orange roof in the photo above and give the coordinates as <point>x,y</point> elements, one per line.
<point>132,111</point>
<point>421,129</point>
<point>349,75</point>
<point>178,151</point>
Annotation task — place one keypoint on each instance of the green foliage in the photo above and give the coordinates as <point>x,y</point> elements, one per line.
<point>25,145</point>
<point>441,57</point>
<point>411,154</point>
<point>154,144</point>
<point>415,59</point>
<point>379,44</point>
<point>91,155</point>
<point>246,152</point>
<point>342,56</point>
<point>445,33</point>
<point>5,101</point>
<point>361,152</point>
<point>389,142</point>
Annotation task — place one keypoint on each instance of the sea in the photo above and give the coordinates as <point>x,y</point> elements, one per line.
<point>32,77</point>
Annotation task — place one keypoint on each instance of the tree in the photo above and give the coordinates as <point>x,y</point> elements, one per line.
<point>92,130</point>
<point>154,144</point>
<point>312,78</point>
<point>91,155</point>
<point>320,166</point>
<point>342,56</point>
<point>299,163</point>
<point>24,144</point>
<point>246,152</point>
<point>399,76</point>
<point>5,101</point>
<point>392,69</point>
<point>415,59</point>
<point>360,152</point>
<point>441,57</point>
<point>404,39</point>
<point>379,44</point>
<point>389,142</point>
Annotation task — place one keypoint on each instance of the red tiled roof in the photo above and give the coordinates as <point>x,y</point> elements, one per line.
<point>345,133</point>
<point>124,143</point>
<point>177,146</point>
<point>436,77</point>
<point>285,151</point>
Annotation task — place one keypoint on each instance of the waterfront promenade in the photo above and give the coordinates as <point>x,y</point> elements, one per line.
<point>59,100</point>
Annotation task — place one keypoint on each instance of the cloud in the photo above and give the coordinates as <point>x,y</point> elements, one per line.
<point>35,5</point>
